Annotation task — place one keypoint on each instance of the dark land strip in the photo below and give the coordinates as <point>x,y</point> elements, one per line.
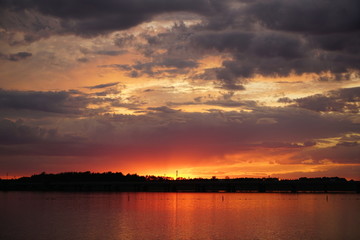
<point>117,182</point>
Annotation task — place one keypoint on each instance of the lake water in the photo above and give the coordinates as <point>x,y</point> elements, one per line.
<point>148,216</point>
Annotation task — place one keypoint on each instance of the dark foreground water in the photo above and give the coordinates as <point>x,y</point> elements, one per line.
<point>147,216</point>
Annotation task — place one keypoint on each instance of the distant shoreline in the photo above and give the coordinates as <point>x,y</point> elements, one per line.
<point>114,182</point>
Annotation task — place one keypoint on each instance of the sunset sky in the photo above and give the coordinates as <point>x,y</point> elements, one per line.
<point>234,88</point>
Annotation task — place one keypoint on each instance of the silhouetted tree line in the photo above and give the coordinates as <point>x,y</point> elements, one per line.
<point>117,181</point>
<point>84,177</point>
<point>120,177</point>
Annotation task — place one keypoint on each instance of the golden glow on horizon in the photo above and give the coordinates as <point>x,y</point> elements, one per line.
<point>242,170</point>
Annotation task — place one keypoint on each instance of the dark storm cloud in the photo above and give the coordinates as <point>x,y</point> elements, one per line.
<point>319,103</point>
<point>31,25</point>
<point>270,38</point>
<point>342,100</point>
<point>347,42</point>
<point>19,133</point>
<point>228,40</point>
<point>65,102</point>
<point>15,56</point>
<point>89,18</point>
<point>270,45</point>
<point>320,17</point>
<point>347,94</point>
<point>274,54</point>
<point>267,44</point>
<point>296,37</point>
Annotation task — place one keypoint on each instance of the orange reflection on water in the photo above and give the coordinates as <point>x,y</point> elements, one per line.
<point>183,216</point>
<point>237,216</point>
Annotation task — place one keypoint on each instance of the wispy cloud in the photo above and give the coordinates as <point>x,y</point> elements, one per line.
<point>104,85</point>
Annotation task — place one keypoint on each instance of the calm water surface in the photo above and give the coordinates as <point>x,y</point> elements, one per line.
<point>148,216</point>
